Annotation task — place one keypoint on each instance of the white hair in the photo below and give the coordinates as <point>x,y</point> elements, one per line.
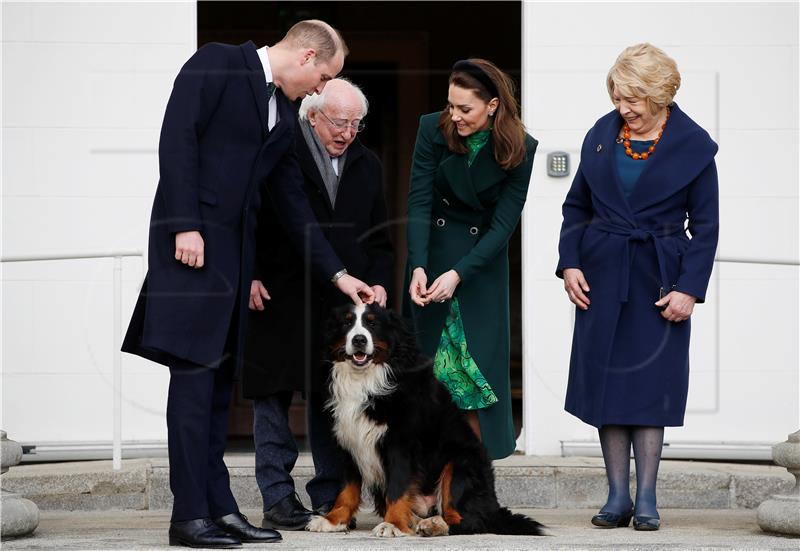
<point>316,102</point>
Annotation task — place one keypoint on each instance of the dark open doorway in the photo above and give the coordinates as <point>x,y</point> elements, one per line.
<point>400,55</point>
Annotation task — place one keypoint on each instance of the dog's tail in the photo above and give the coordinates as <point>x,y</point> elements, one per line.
<point>503,521</point>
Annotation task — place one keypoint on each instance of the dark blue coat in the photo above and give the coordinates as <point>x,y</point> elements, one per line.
<point>216,154</point>
<point>629,365</point>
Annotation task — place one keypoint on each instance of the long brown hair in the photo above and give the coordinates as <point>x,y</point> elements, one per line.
<point>508,132</point>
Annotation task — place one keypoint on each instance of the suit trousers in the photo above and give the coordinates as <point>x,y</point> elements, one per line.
<point>276,450</point>
<point>197,427</point>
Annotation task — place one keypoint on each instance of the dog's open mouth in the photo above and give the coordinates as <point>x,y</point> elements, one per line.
<point>360,359</point>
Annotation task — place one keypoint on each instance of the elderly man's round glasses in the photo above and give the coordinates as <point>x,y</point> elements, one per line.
<point>356,125</point>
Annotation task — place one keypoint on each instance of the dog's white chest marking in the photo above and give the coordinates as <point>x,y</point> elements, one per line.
<point>351,393</point>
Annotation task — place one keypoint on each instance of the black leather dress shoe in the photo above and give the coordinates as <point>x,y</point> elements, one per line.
<point>201,532</point>
<point>325,508</point>
<point>287,514</point>
<point>237,526</point>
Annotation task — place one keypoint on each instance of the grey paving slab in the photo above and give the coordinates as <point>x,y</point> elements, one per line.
<point>85,485</point>
<point>709,530</point>
<point>521,481</point>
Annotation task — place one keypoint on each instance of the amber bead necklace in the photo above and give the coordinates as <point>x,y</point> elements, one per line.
<point>626,142</point>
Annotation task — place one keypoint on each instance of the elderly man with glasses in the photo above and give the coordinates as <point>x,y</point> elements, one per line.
<point>288,306</point>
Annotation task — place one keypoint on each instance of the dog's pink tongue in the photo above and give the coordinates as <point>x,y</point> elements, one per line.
<point>360,356</point>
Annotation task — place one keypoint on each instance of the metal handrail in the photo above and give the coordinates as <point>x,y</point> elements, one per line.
<point>734,260</point>
<point>116,455</point>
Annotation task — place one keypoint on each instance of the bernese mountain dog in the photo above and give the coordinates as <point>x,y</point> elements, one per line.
<point>405,440</point>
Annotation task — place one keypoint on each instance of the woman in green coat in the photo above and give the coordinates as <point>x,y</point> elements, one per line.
<point>469,180</point>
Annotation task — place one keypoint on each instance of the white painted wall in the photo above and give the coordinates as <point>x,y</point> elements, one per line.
<point>84,89</point>
<point>85,85</point>
<point>739,64</point>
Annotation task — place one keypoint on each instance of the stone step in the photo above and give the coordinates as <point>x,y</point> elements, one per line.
<point>521,482</point>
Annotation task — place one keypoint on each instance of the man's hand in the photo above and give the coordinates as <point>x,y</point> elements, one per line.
<point>679,306</point>
<point>189,248</point>
<point>576,286</point>
<point>418,287</point>
<point>443,287</point>
<point>258,293</point>
<point>358,291</point>
<point>380,295</point>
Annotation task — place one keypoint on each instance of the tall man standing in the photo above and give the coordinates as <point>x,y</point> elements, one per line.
<point>227,132</point>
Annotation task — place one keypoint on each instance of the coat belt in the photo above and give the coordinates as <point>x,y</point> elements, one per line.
<point>639,235</point>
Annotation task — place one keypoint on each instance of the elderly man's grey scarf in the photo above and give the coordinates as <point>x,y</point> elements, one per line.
<point>323,160</point>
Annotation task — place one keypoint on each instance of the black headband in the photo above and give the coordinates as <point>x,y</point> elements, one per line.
<point>466,66</point>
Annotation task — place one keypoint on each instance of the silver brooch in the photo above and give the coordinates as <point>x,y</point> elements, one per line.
<point>599,148</point>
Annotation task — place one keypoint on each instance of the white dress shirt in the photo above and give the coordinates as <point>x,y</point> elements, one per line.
<point>272,116</point>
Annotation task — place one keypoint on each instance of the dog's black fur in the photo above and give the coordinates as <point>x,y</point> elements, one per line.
<point>424,430</point>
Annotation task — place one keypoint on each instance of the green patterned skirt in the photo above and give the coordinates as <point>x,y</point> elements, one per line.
<point>454,366</point>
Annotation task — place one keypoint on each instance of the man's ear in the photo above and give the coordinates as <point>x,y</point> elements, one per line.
<point>312,117</point>
<point>309,54</point>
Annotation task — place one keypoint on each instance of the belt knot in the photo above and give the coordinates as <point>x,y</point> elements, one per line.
<point>639,235</point>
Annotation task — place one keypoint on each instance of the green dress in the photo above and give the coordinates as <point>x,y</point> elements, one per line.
<point>453,364</point>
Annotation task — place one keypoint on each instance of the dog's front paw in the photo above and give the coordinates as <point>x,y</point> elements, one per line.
<point>433,526</point>
<point>387,530</point>
<point>321,524</point>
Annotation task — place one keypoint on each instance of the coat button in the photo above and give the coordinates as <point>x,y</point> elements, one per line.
<point>473,230</point>
<point>440,222</point>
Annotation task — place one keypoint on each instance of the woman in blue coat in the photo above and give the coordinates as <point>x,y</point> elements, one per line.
<point>634,272</point>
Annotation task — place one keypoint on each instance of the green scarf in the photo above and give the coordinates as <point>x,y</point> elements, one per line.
<point>475,142</point>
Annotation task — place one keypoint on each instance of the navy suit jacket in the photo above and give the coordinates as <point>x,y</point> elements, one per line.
<point>216,155</point>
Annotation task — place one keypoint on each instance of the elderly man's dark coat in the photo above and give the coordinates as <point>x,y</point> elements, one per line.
<point>629,365</point>
<point>216,154</point>
<point>284,340</point>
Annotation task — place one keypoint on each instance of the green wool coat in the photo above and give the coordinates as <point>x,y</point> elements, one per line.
<point>461,217</point>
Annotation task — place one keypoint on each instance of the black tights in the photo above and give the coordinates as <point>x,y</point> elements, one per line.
<point>615,441</point>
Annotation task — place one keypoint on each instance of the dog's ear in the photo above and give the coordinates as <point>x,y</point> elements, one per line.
<point>405,347</point>
<point>397,321</point>
<point>334,323</point>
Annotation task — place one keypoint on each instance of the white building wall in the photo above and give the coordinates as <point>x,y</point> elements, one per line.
<point>84,90</point>
<point>739,63</point>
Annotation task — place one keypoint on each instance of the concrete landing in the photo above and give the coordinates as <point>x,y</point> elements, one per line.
<point>570,530</point>
<point>521,481</point>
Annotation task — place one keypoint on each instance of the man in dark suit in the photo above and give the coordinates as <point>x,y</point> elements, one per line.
<point>227,133</point>
<point>343,180</point>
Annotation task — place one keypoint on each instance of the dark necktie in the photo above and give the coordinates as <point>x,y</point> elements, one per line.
<point>270,90</point>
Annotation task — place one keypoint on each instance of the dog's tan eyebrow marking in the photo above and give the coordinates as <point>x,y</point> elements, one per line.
<point>349,316</point>
<point>370,317</point>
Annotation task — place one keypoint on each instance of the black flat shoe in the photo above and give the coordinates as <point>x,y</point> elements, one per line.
<point>324,509</point>
<point>236,525</point>
<point>612,520</point>
<point>201,532</point>
<point>646,524</point>
<point>287,514</point>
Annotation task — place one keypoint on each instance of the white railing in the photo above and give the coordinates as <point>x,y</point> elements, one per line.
<point>116,454</point>
<point>769,262</point>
